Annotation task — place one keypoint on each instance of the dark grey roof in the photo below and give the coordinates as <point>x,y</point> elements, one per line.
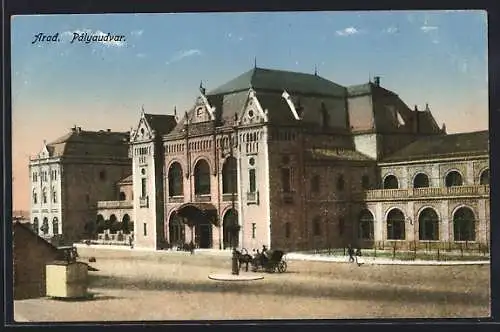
<point>439,146</point>
<point>279,80</point>
<point>90,143</point>
<point>336,154</point>
<point>367,88</point>
<point>126,180</point>
<point>161,123</point>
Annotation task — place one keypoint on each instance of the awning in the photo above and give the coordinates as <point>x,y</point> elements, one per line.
<point>198,213</point>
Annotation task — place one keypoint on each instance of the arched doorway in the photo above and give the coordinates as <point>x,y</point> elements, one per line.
<point>428,225</point>
<point>199,217</point>
<point>391,182</point>
<point>421,180</point>
<point>464,225</point>
<point>176,230</point>
<point>230,236</point>
<point>365,225</point>
<point>395,225</point>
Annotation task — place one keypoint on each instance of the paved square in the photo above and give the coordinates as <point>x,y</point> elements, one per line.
<point>176,287</point>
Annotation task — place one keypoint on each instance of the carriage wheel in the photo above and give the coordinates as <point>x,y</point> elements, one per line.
<point>282,267</point>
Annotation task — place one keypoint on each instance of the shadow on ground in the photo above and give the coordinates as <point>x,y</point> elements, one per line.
<point>355,291</point>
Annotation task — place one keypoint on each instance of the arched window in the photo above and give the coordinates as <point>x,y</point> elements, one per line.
<point>122,196</point>
<point>395,225</point>
<point>102,175</point>
<point>421,180</point>
<point>453,179</point>
<point>317,226</point>
<point>365,182</point>
<point>391,182</point>
<point>484,179</point>
<point>428,225</point>
<point>230,229</point>
<point>175,186</point>
<point>35,225</point>
<point>35,197</point>
<point>45,226</point>
<point>325,117</point>
<point>44,195</point>
<point>229,178</point>
<point>340,183</point>
<point>54,195</point>
<point>202,178</point>
<point>366,225</point>
<point>55,226</point>
<point>464,225</point>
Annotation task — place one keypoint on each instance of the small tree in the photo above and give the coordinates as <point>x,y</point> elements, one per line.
<point>116,226</point>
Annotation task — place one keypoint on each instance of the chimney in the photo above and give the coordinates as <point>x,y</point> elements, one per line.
<point>108,130</point>
<point>443,128</point>
<point>376,80</point>
<point>416,124</point>
<point>78,129</point>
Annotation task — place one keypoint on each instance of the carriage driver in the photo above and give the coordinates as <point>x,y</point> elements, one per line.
<point>264,257</point>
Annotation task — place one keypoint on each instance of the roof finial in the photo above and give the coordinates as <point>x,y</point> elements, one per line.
<point>202,89</point>
<point>315,70</point>
<point>142,109</point>
<point>175,110</point>
<point>369,77</point>
<point>427,109</point>
<point>255,61</point>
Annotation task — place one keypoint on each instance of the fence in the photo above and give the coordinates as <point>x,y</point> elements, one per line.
<point>439,251</point>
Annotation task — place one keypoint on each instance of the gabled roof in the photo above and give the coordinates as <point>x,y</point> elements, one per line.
<point>367,88</point>
<point>161,123</point>
<point>279,80</point>
<point>26,228</point>
<point>441,146</point>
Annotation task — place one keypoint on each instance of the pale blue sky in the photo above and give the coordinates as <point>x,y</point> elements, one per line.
<point>434,57</point>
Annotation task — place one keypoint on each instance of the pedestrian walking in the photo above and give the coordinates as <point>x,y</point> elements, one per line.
<point>350,252</point>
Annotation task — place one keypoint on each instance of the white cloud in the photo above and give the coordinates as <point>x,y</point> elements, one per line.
<point>391,30</point>
<point>69,35</point>
<point>428,28</point>
<point>347,31</point>
<point>183,54</point>
<point>141,55</point>
<point>137,33</point>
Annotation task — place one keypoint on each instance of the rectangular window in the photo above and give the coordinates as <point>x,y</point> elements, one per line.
<point>145,229</point>
<point>54,197</point>
<point>253,181</point>
<point>254,228</point>
<point>287,230</point>
<point>286,176</point>
<point>143,188</point>
<point>315,184</point>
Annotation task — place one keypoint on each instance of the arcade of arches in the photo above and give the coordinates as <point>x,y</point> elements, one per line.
<point>463,223</point>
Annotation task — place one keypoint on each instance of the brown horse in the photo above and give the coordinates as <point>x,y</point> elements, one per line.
<point>244,258</point>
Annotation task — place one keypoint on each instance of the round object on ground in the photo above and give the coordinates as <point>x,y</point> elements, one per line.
<point>232,277</point>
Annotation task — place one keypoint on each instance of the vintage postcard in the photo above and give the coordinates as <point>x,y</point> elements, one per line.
<point>250,166</point>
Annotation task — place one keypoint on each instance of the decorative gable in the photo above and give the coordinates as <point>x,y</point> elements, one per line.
<point>143,132</point>
<point>45,151</point>
<point>253,111</point>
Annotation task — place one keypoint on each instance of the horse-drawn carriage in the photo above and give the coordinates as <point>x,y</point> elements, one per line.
<point>272,262</point>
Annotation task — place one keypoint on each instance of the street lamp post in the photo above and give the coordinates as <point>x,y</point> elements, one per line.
<point>233,227</point>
